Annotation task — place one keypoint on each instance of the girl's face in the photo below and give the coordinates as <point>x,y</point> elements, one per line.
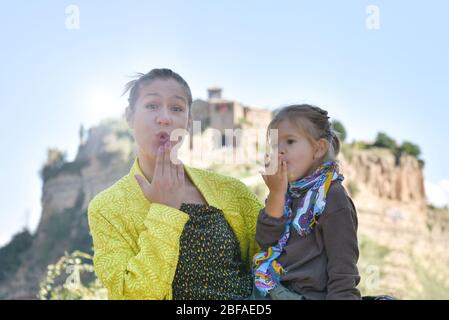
<point>297,150</point>
<point>162,106</point>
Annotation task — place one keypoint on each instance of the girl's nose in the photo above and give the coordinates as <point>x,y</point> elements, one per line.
<point>283,156</point>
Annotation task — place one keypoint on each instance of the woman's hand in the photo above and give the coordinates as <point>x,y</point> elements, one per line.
<point>168,184</point>
<point>277,183</point>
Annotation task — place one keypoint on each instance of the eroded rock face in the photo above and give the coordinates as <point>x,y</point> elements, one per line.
<point>394,219</point>
<point>379,173</point>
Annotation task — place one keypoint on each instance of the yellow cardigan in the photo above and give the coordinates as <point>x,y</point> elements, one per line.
<point>136,243</point>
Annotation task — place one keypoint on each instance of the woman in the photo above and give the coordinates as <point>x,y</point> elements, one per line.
<point>165,230</point>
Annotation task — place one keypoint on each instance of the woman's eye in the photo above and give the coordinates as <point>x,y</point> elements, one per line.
<point>177,109</point>
<point>290,141</point>
<point>151,106</point>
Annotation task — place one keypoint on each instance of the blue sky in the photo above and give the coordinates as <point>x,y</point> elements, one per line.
<point>263,53</point>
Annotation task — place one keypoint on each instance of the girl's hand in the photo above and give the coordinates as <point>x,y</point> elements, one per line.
<point>277,183</point>
<point>168,184</point>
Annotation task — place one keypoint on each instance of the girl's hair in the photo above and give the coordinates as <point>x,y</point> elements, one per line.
<point>314,124</point>
<point>135,85</point>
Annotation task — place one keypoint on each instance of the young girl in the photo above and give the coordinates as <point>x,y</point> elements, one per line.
<point>307,231</point>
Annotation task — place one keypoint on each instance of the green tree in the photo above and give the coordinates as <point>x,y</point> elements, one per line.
<point>338,126</point>
<point>384,141</point>
<point>410,148</point>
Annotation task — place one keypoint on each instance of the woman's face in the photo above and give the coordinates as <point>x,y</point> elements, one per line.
<point>296,149</point>
<point>162,106</point>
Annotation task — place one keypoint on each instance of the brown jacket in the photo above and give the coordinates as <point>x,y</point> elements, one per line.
<point>323,264</point>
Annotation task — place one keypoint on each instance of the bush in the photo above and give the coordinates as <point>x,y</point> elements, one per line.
<point>10,254</point>
<point>360,145</point>
<point>421,163</point>
<point>72,277</point>
<point>347,152</point>
<point>384,141</point>
<point>52,170</point>
<point>371,265</point>
<point>410,148</point>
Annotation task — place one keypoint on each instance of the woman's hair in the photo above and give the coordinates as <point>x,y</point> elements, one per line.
<point>314,124</point>
<point>135,85</point>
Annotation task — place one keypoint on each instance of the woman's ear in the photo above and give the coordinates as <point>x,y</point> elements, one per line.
<point>189,123</point>
<point>189,118</point>
<point>129,114</point>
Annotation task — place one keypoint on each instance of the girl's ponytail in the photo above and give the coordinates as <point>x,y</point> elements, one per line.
<point>334,144</point>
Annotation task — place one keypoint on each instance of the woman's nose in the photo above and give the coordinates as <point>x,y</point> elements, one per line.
<point>163,117</point>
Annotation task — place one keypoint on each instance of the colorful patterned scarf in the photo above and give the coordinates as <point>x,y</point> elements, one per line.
<point>312,191</point>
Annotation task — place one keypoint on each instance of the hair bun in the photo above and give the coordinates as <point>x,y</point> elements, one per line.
<point>321,111</point>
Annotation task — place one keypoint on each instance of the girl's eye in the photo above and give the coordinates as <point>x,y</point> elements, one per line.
<point>151,106</point>
<point>290,141</point>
